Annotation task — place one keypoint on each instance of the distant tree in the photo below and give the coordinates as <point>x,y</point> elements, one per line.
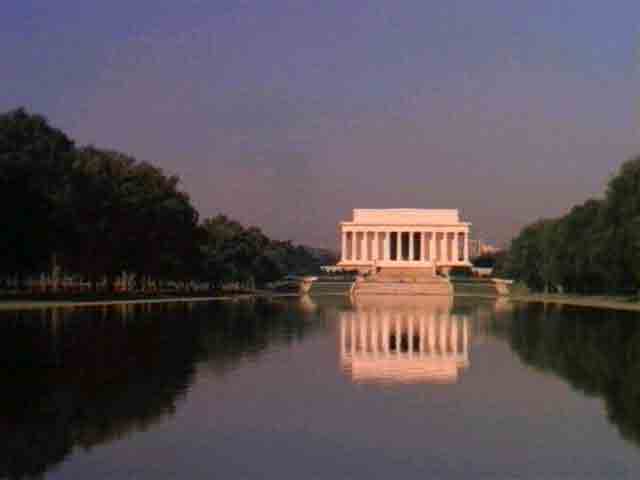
<point>232,252</point>
<point>531,256</point>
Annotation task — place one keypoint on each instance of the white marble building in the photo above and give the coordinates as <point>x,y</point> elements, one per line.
<point>414,238</point>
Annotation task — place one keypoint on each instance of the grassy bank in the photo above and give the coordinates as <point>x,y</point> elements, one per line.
<point>24,301</point>
<point>519,293</point>
<point>630,303</point>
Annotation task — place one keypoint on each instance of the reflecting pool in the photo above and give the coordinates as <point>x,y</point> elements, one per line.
<point>321,387</point>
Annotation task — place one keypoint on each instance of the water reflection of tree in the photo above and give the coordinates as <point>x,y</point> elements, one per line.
<point>83,377</point>
<point>596,351</point>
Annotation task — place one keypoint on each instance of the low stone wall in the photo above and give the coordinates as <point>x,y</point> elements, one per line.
<point>320,287</point>
<point>478,286</point>
<point>464,286</point>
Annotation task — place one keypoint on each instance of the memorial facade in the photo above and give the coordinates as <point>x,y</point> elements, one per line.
<point>409,238</point>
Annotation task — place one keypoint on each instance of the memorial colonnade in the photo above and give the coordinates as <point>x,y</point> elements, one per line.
<point>418,244</point>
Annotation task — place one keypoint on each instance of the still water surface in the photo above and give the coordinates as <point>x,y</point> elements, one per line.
<point>320,388</point>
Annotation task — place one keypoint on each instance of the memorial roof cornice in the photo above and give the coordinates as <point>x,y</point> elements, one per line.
<point>391,225</point>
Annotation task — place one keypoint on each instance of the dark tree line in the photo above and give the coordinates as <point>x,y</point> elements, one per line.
<point>595,248</point>
<point>96,213</point>
<point>233,252</point>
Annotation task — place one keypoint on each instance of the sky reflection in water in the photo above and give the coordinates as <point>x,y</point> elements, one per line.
<point>320,388</point>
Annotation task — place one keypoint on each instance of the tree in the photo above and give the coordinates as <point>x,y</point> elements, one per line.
<point>622,215</point>
<point>594,248</point>
<point>100,212</point>
<point>35,163</point>
<point>129,216</point>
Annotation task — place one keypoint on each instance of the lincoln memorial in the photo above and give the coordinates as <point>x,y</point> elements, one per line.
<point>410,238</point>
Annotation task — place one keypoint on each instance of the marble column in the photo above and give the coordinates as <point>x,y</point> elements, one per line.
<point>454,250</point>
<point>432,246</point>
<point>353,245</point>
<point>411,247</point>
<point>397,234</point>
<point>344,246</point>
<point>424,247</point>
<point>465,246</point>
<point>386,246</point>
<point>354,235</point>
<point>375,246</point>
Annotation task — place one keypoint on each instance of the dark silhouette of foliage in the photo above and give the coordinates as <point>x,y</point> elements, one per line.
<point>595,248</point>
<point>35,164</point>
<point>231,252</point>
<point>98,213</point>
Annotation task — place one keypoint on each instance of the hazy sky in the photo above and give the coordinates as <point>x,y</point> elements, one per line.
<point>288,114</point>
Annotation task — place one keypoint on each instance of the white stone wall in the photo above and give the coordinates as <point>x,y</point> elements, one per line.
<point>405,216</point>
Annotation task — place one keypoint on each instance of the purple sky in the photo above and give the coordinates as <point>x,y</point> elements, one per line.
<point>288,114</point>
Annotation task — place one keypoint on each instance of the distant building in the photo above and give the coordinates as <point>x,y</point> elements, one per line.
<point>482,271</point>
<point>331,269</point>
<point>477,248</point>
<point>474,248</point>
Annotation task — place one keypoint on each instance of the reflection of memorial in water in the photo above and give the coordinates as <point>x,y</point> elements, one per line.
<point>403,340</point>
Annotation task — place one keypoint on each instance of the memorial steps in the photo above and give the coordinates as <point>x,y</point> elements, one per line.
<point>403,281</point>
<point>406,274</point>
<point>399,288</point>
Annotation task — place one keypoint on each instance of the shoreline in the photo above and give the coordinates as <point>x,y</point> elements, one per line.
<point>25,304</point>
<point>596,301</point>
